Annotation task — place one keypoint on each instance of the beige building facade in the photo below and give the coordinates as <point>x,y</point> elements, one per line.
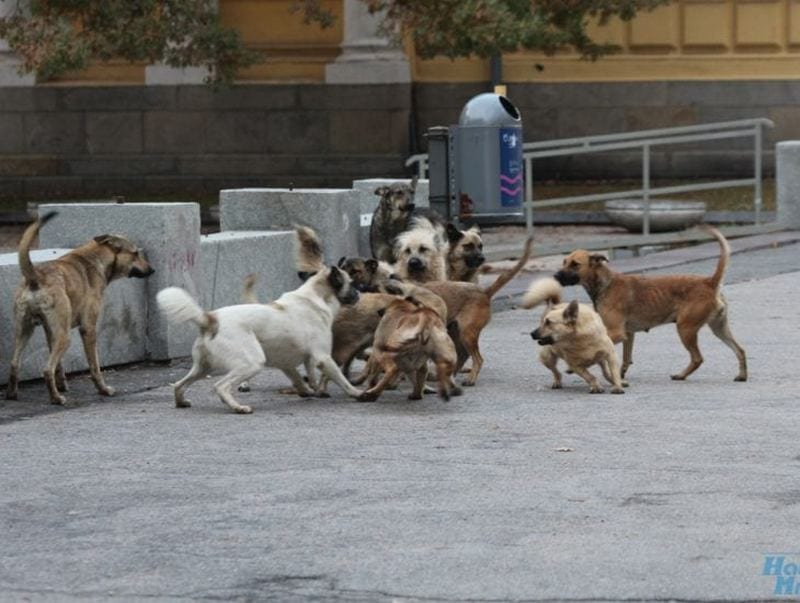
<point>326,106</point>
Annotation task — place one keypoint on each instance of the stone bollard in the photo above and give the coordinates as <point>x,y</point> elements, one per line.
<point>170,235</point>
<point>333,213</point>
<point>368,202</point>
<point>227,258</point>
<point>787,183</point>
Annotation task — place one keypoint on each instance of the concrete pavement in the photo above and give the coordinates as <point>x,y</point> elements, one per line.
<point>674,491</point>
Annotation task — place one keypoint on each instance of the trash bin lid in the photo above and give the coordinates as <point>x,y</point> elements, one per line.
<point>489,109</point>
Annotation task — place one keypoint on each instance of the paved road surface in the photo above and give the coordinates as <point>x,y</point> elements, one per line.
<point>513,491</point>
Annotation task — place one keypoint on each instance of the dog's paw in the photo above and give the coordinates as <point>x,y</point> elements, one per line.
<point>740,378</point>
<point>59,399</point>
<point>367,397</point>
<point>596,389</point>
<point>556,385</point>
<point>468,383</point>
<point>322,395</point>
<point>183,404</point>
<point>243,410</point>
<point>617,390</point>
<point>244,388</point>
<point>678,377</point>
<point>625,383</point>
<point>106,391</point>
<point>411,396</point>
<point>456,391</point>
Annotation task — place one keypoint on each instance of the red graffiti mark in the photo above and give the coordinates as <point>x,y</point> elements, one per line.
<point>181,260</point>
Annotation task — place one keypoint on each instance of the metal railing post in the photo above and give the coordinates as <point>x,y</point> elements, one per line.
<point>529,196</point>
<point>646,189</point>
<point>758,135</point>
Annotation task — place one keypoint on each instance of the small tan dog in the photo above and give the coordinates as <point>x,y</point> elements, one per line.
<point>408,336</point>
<point>68,293</point>
<point>421,253</point>
<point>465,253</point>
<point>631,303</point>
<point>574,333</point>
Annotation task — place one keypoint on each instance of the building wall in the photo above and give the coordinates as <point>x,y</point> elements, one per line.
<point>84,142</point>
<point>104,131</point>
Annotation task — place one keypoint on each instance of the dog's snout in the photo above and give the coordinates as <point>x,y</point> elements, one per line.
<point>351,297</point>
<point>475,260</point>
<point>567,279</point>
<point>535,334</point>
<point>136,272</point>
<point>415,264</point>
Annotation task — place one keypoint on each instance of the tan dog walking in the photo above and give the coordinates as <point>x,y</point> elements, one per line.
<point>632,303</point>
<point>68,293</point>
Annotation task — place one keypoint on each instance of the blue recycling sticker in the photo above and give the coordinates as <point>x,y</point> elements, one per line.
<point>511,167</point>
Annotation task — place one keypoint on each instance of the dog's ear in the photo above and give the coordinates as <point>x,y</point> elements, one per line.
<point>109,240</point>
<point>392,289</point>
<point>341,261</point>
<point>304,276</point>
<point>372,265</point>
<point>475,228</point>
<point>413,300</point>
<point>381,190</point>
<point>597,258</point>
<point>335,278</point>
<point>454,235</point>
<point>571,312</point>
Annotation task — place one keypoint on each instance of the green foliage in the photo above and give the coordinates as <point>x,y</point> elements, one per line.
<point>55,36</point>
<point>460,28</point>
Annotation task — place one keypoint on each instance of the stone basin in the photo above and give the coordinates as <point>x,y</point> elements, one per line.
<point>665,214</point>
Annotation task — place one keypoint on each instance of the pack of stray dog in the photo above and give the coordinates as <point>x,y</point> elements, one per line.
<point>415,312</point>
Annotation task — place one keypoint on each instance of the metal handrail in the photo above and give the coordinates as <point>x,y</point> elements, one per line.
<point>645,140</point>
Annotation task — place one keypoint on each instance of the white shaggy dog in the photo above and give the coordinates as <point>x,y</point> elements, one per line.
<point>422,252</point>
<point>293,330</point>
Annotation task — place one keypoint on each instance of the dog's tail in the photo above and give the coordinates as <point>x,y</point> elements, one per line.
<point>248,291</point>
<point>506,276</point>
<point>179,306</point>
<point>544,290</point>
<point>724,255</point>
<point>308,250</point>
<point>25,264</point>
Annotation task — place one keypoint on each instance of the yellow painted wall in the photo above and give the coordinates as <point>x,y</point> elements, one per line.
<point>687,39</point>
<point>293,50</point>
<point>684,40</point>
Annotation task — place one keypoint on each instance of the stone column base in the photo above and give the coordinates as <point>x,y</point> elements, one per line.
<point>368,69</point>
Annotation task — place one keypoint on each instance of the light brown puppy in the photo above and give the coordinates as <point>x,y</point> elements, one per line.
<point>574,333</point>
<point>408,336</point>
<point>631,303</point>
<point>465,254</point>
<point>67,293</point>
<point>470,306</point>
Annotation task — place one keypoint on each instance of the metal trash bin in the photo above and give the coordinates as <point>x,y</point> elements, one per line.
<point>487,164</point>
